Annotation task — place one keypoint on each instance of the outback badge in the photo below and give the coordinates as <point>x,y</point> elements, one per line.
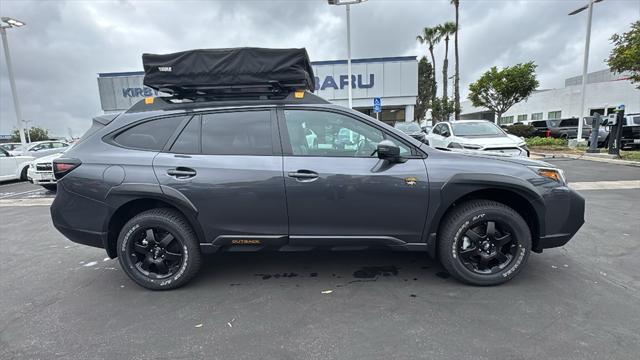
<point>411,181</point>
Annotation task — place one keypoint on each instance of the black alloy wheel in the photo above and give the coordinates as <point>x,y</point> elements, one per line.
<point>484,242</point>
<point>155,252</point>
<point>158,249</point>
<point>488,247</point>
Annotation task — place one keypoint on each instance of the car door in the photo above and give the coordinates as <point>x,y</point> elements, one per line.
<point>8,166</point>
<point>340,193</point>
<point>228,164</point>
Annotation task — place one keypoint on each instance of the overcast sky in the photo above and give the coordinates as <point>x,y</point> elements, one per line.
<point>65,44</point>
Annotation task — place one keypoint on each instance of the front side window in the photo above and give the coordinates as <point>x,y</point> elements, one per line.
<point>323,133</point>
<point>237,133</point>
<point>149,135</point>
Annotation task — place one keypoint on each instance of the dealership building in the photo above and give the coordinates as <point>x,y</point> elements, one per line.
<point>393,79</point>
<point>604,92</point>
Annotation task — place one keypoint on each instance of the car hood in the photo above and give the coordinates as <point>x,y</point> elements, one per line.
<point>48,158</point>
<point>491,141</point>
<point>23,158</point>
<point>498,156</point>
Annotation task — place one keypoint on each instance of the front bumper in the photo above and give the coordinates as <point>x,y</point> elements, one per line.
<point>564,217</point>
<point>40,177</point>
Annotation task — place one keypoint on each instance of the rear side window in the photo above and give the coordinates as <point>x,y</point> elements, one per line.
<point>237,133</point>
<point>569,122</point>
<point>150,135</point>
<point>539,124</point>
<point>188,142</point>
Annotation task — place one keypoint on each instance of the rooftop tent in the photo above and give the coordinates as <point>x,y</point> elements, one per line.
<point>229,71</point>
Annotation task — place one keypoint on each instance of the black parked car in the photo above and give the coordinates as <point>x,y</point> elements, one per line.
<point>412,129</point>
<point>630,137</point>
<point>231,168</point>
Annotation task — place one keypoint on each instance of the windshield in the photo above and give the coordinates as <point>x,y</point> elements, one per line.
<point>408,127</point>
<point>476,129</point>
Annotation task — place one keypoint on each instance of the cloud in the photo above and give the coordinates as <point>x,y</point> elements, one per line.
<point>65,44</point>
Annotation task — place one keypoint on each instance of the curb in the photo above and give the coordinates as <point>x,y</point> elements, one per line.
<point>587,157</point>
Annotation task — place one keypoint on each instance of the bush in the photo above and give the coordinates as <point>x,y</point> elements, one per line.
<point>545,141</point>
<point>520,130</point>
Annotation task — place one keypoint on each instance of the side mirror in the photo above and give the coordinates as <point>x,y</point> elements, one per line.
<point>389,151</point>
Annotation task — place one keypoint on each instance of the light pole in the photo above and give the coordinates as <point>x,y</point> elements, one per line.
<point>26,129</point>
<point>5,24</point>
<point>585,65</point>
<point>348,4</point>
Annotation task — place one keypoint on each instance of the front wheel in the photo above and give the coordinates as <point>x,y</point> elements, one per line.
<point>484,242</point>
<point>159,250</point>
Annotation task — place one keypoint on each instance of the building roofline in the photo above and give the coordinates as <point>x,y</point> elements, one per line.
<point>325,62</point>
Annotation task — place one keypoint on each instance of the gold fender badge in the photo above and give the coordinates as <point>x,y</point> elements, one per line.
<point>411,181</point>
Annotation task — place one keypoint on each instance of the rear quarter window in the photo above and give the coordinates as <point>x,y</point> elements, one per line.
<point>149,135</point>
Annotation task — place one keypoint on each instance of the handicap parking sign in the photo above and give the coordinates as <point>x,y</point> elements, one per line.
<point>377,105</point>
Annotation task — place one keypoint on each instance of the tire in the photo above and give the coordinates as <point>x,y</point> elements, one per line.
<point>458,250</point>
<point>23,174</point>
<point>142,256</point>
<point>50,187</point>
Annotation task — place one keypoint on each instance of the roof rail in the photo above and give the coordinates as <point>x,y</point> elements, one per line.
<point>180,102</point>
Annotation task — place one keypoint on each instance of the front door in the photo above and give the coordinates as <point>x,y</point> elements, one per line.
<point>339,192</point>
<point>228,164</point>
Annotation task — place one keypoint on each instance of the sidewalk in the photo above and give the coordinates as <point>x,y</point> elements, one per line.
<point>585,156</point>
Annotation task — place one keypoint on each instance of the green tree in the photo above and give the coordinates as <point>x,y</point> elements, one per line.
<point>456,80</point>
<point>445,30</point>
<point>440,111</point>
<point>431,37</point>
<point>499,90</point>
<point>425,82</point>
<point>35,134</point>
<point>625,55</point>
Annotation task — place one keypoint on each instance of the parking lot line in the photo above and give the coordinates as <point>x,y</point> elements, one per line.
<point>605,185</point>
<point>11,194</point>
<point>26,202</point>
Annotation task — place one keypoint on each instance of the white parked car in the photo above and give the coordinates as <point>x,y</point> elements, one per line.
<point>476,135</point>
<point>40,172</point>
<point>13,167</point>
<point>42,148</point>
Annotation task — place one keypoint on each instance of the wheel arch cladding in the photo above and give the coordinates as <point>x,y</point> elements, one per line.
<point>126,208</point>
<point>513,192</point>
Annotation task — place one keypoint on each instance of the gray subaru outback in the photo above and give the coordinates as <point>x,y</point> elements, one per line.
<point>273,167</point>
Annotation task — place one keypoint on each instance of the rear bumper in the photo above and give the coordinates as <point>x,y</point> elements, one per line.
<point>563,220</point>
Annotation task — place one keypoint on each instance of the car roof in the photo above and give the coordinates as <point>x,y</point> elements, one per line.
<point>468,121</point>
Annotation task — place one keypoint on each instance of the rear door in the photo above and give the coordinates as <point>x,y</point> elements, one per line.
<point>228,164</point>
<point>339,192</point>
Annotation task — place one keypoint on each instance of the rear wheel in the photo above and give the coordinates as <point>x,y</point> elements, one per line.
<point>159,250</point>
<point>484,242</point>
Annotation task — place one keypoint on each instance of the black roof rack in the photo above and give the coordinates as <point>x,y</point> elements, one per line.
<point>165,103</point>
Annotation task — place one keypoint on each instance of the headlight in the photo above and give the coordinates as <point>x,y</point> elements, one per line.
<point>455,145</point>
<point>550,173</point>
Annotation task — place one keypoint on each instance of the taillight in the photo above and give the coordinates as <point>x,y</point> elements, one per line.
<point>548,133</point>
<point>62,166</point>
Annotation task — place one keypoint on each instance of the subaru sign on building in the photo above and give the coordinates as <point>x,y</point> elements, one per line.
<point>392,79</point>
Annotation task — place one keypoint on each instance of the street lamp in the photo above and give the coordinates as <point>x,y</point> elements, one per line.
<point>586,61</point>
<point>6,23</point>
<point>348,4</point>
<point>26,129</point>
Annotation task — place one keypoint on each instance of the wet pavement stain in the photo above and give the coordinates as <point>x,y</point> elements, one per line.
<point>443,274</point>
<point>370,272</point>
<point>276,276</point>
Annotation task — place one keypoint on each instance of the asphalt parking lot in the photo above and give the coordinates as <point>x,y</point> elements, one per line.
<point>582,301</point>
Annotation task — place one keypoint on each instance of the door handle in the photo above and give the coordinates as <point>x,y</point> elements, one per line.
<point>182,172</point>
<point>303,175</point>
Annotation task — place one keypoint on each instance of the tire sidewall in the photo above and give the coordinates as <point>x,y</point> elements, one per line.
<point>126,237</point>
<point>471,219</point>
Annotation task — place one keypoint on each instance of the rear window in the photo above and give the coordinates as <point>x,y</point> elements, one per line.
<point>237,133</point>
<point>150,135</point>
<point>634,120</point>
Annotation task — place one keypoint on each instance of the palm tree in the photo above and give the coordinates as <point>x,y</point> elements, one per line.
<point>445,30</point>
<point>431,37</point>
<point>456,81</point>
